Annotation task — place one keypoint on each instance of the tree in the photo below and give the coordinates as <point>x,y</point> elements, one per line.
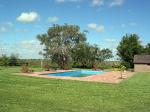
<point>13,60</point>
<point>105,54</point>
<point>94,55</point>
<point>4,60</point>
<point>59,42</point>
<point>127,48</point>
<point>86,55</point>
<point>147,49</point>
<point>99,55</point>
<point>81,55</point>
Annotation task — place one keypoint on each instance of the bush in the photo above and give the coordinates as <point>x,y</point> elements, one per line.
<point>46,67</point>
<point>24,68</point>
<point>116,64</point>
<point>4,60</point>
<point>12,60</point>
<point>104,66</point>
<point>126,64</point>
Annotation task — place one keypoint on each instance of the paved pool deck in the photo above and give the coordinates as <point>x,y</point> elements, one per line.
<point>113,77</point>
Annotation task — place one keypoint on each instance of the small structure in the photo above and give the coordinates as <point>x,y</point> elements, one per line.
<point>142,63</point>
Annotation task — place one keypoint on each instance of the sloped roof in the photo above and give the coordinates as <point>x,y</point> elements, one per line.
<point>142,59</point>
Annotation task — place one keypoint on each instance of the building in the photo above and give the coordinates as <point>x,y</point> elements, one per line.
<point>142,63</point>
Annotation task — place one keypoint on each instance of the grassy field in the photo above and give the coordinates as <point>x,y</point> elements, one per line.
<point>31,94</point>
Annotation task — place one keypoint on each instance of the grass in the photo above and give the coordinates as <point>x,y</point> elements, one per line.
<point>32,94</point>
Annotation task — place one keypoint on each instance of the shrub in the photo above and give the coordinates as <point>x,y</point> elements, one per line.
<point>126,64</point>
<point>46,67</point>
<point>13,60</point>
<point>24,68</point>
<point>4,60</point>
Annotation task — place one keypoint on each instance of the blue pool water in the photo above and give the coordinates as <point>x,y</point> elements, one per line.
<point>78,73</point>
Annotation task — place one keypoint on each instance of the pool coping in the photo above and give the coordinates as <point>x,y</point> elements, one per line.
<point>73,71</point>
<point>112,77</point>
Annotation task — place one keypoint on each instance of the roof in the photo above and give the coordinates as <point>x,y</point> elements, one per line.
<point>142,59</point>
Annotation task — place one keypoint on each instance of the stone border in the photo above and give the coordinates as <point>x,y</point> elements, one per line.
<point>113,77</point>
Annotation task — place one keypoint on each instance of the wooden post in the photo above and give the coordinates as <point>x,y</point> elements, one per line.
<point>41,63</point>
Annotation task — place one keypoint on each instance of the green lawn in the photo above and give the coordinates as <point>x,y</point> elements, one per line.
<point>31,94</point>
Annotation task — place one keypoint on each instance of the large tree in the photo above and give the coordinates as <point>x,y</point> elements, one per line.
<point>129,46</point>
<point>59,42</point>
<point>147,49</point>
<point>86,55</point>
<point>80,55</point>
<point>99,55</point>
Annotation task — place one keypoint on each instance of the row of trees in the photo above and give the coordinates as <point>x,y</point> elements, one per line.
<point>129,46</point>
<point>66,45</point>
<point>86,55</point>
<point>11,60</point>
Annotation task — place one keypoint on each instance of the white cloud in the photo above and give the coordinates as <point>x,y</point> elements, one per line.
<point>92,25</point>
<point>30,47</point>
<point>112,44</point>
<point>97,2</point>
<point>29,44</point>
<point>110,40</point>
<point>9,24</point>
<point>116,3</point>
<point>98,28</point>
<point>3,29</point>
<point>129,24</point>
<point>22,30</point>
<point>28,17</point>
<point>5,26</point>
<point>63,1</point>
<point>53,19</point>
<point>60,1</point>
<point>111,3</point>
<point>133,24</point>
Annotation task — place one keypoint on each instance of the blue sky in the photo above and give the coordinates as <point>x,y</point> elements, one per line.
<point>106,20</point>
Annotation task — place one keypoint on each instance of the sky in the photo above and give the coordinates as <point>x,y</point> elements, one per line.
<point>106,20</point>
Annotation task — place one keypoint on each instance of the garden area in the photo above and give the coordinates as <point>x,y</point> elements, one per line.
<point>31,94</point>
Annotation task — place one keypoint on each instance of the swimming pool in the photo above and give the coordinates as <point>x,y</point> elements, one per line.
<point>77,73</point>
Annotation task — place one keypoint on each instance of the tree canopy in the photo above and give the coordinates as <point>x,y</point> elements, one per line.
<point>86,55</point>
<point>59,41</point>
<point>66,44</point>
<point>147,49</point>
<point>129,46</point>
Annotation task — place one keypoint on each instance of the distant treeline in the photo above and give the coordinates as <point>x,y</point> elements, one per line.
<point>14,60</point>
